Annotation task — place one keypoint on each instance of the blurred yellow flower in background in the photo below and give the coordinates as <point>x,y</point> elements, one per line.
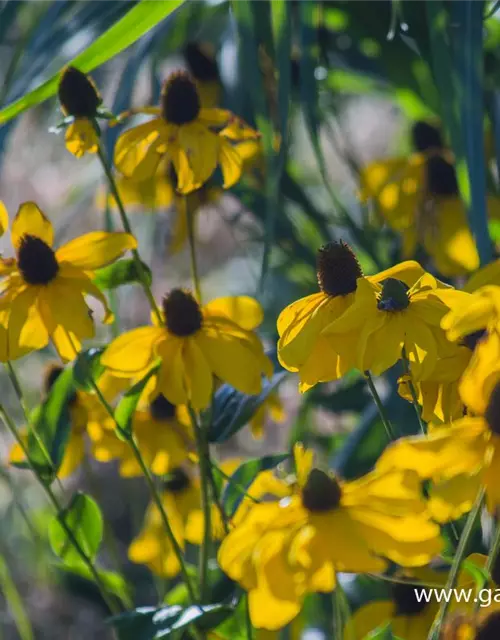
<point>43,290</point>
<point>80,98</point>
<point>85,411</point>
<point>188,135</point>
<point>162,432</point>
<point>418,197</point>
<point>479,311</point>
<point>195,344</point>
<point>272,407</point>
<point>280,551</point>
<point>303,347</point>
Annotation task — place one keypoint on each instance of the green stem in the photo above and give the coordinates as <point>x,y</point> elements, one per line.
<point>60,513</point>
<point>457,561</point>
<point>192,249</point>
<point>126,225</point>
<point>248,620</point>
<point>153,491</point>
<point>380,406</point>
<point>206,506</point>
<point>413,392</point>
<point>24,406</point>
<point>112,294</point>
<point>495,548</point>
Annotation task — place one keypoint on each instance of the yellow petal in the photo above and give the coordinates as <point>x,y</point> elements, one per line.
<point>198,375</point>
<point>450,499</point>
<point>132,352</point>
<point>243,310</point>
<point>81,138</point>
<point>231,164</point>
<point>30,220</point>
<point>136,151</point>
<point>26,329</point>
<point>73,455</point>
<point>4,219</point>
<point>490,274</point>
<point>171,380</point>
<point>96,249</point>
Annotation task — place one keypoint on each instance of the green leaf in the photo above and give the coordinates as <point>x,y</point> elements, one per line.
<point>120,273</point>
<point>124,412</point>
<point>112,581</point>
<point>84,520</point>
<point>243,477</point>
<point>51,427</point>
<point>138,21</point>
<point>232,410</point>
<point>148,623</point>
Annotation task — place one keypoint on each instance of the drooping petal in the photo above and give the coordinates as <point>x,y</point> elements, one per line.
<point>26,329</point>
<point>137,150</point>
<point>201,148</point>
<point>243,310</point>
<point>30,220</point>
<point>96,249</point>
<point>230,162</point>
<point>81,138</point>
<point>450,499</point>
<point>76,278</point>
<point>408,272</point>
<point>133,352</point>
<point>198,375</point>
<point>171,381</point>
<point>234,359</point>
<point>66,316</point>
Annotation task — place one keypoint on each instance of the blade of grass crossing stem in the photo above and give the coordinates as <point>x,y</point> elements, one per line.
<point>138,21</point>
<point>467,40</point>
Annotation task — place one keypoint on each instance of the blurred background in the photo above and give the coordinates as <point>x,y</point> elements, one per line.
<point>333,86</point>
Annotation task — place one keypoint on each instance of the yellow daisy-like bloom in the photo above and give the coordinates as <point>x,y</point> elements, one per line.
<point>303,347</point>
<point>409,618</point>
<point>195,344</point>
<point>464,455</point>
<point>43,290</point>
<point>280,551</point>
<point>272,407</point>
<point>386,318</point>
<point>479,311</point>
<point>418,197</point>
<point>80,98</point>
<point>164,438</point>
<point>182,503</point>
<point>189,136</point>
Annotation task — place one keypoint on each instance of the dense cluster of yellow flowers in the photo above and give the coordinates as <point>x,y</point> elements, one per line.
<point>295,535</point>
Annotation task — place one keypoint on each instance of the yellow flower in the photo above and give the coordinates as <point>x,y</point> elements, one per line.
<point>164,440</point>
<point>409,618</point>
<point>464,455</point>
<point>43,290</point>
<point>479,311</point>
<point>195,344</point>
<point>438,394</point>
<point>302,346</point>
<point>272,406</point>
<point>85,409</point>
<point>186,134</point>
<point>418,197</point>
<point>205,72</point>
<point>386,318</point>
<point>160,192</point>
<point>280,551</point>
<point>181,500</point>
<point>80,99</point>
